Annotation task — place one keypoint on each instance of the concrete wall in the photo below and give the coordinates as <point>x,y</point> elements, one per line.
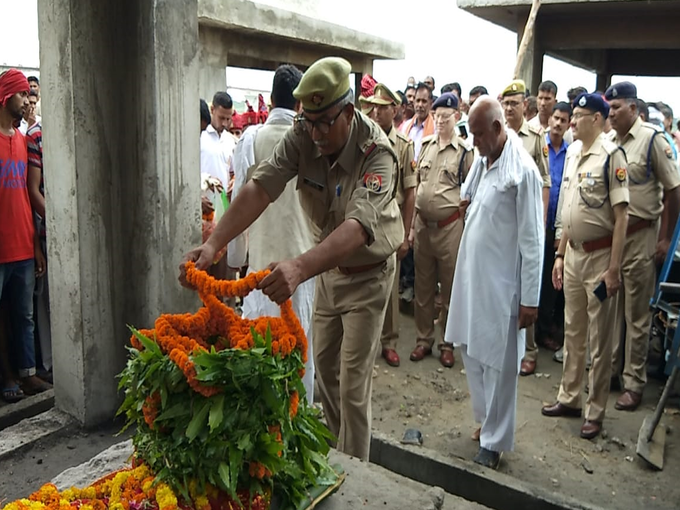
<point>120,128</point>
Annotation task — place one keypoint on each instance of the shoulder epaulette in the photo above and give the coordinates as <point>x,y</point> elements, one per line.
<point>536,130</point>
<point>403,137</point>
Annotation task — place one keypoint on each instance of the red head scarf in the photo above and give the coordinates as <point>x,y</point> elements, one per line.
<point>12,82</point>
<point>368,84</point>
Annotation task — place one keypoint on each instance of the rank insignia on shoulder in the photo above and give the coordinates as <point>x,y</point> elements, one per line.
<point>620,174</point>
<point>373,182</point>
<point>370,148</point>
<point>669,152</point>
<point>545,151</point>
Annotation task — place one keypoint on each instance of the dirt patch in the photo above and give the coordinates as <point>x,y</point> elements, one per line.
<point>548,452</point>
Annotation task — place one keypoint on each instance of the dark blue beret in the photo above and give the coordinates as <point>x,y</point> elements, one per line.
<point>622,90</point>
<point>447,99</point>
<point>592,102</point>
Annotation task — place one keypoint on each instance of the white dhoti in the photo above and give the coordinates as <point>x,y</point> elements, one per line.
<point>494,398</point>
<point>256,305</point>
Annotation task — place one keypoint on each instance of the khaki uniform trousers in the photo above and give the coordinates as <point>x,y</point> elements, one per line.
<point>390,329</point>
<point>349,311</point>
<point>638,272</point>
<point>586,321</point>
<point>435,256</point>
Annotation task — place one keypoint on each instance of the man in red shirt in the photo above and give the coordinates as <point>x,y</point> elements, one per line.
<point>21,259</point>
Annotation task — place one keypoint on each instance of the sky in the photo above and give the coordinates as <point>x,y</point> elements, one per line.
<point>456,46</point>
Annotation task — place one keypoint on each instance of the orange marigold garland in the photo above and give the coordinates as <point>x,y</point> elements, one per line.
<point>181,336</point>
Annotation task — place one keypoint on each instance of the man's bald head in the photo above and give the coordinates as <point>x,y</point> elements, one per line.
<point>487,126</point>
<point>487,109</point>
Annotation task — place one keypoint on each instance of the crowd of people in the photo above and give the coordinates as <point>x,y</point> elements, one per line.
<point>512,222</point>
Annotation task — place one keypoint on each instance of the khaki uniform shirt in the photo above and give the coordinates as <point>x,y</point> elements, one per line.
<point>533,139</point>
<point>359,185</point>
<point>646,192</point>
<point>440,176</point>
<point>587,211</point>
<point>406,175</point>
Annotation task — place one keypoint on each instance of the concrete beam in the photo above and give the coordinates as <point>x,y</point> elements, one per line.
<point>644,62</point>
<point>619,31</point>
<point>264,51</point>
<point>255,22</point>
<point>120,129</point>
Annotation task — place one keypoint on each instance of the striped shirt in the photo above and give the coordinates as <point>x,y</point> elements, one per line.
<point>34,145</point>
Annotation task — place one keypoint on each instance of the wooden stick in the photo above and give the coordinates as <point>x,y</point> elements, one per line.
<point>527,36</point>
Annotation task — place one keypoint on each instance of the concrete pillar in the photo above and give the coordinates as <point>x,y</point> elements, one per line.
<point>365,68</point>
<point>212,62</point>
<point>121,127</point>
<point>532,65</point>
<point>604,80</point>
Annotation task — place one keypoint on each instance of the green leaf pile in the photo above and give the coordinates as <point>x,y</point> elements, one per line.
<point>213,440</point>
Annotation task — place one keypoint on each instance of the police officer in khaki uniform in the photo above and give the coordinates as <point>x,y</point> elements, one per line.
<point>345,170</point>
<point>652,173</point>
<point>385,104</point>
<point>594,215</point>
<point>443,163</point>
<point>533,139</point>
<point>367,108</point>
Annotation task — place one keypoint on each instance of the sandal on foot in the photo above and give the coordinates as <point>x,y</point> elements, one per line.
<point>12,394</point>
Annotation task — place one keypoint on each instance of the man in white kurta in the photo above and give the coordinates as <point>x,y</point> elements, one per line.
<point>497,285</point>
<point>283,231</point>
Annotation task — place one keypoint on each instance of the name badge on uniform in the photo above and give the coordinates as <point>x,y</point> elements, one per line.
<point>316,185</point>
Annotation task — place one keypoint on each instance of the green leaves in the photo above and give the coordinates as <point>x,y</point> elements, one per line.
<point>216,413</point>
<point>214,440</point>
<point>197,423</point>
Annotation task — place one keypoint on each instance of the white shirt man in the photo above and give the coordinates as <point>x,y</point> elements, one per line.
<point>496,289</point>
<point>283,231</point>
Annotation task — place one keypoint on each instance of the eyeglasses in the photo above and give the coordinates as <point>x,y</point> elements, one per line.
<point>577,116</point>
<point>511,104</point>
<point>322,126</point>
<point>442,118</point>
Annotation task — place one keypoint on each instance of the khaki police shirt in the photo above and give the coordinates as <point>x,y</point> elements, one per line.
<point>359,185</point>
<point>533,140</point>
<point>406,175</point>
<point>587,210</point>
<point>646,194</point>
<point>440,176</point>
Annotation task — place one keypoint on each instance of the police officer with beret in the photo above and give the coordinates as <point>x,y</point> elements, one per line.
<point>443,164</point>
<point>385,105</point>
<point>594,218</point>
<point>652,175</point>
<point>345,170</point>
<point>513,100</point>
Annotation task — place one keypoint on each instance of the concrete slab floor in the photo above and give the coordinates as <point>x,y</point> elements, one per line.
<point>11,414</point>
<point>367,485</point>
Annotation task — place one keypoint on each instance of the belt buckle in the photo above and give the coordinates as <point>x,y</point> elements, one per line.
<point>432,224</point>
<point>576,246</point>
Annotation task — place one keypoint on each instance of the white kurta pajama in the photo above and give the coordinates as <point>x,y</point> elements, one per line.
<point>281,232</point>
<point>499,268</point>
